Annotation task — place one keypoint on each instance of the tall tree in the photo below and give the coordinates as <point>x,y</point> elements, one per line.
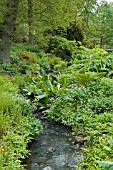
<point>8,25</point>
<point>30,21</point>
<point>103,31</point>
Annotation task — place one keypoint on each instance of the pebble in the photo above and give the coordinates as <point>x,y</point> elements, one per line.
<point>47,168</point>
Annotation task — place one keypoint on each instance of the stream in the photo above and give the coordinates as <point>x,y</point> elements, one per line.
<point>53,149</point>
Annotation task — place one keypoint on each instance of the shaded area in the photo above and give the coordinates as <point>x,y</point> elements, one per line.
<point>54,149</point>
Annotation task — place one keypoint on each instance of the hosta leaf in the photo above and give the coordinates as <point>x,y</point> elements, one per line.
<point>104,69</point>
<point>110,74</point>
<point>106,165</point>
<point>41,96</point>
<point>107,148</point>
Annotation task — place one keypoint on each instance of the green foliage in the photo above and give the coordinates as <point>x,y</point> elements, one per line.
<point>40,90</point>
<point>106,165</point>
<point>50,63</point>
<point>95,98</point>
<point>74,32</point>
<point>103,66</point>
<point>61,47</point>
<point>83,98</point>
<point>60,31</point>
<point>9,69</point>
<point>87,108</point>
<point>72,93</point>
<point>81,67</point>
<point>17,125</point>
<point>22,61</point>
<point>28,56</point>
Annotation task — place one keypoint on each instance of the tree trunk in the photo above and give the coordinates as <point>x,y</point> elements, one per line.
<point>30,21</point>
<point>101,42</point>
<point>8,31</point>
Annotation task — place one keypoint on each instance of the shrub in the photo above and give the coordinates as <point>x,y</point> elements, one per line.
<point>27,56</point>
<point>61,47</point>
<point>74,32</point>
<point>51,64</point>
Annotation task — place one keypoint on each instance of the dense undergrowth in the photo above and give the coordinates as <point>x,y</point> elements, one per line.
<point>17,125</point>
<point>67,83</point>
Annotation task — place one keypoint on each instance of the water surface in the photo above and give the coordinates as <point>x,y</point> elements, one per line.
<point>53,149</point>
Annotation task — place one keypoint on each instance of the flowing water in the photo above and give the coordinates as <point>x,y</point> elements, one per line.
<point>53,149</point>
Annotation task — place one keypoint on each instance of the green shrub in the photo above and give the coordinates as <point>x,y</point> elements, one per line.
<point>50,63</point>
<point>74,32</point>
<point>62,48</point>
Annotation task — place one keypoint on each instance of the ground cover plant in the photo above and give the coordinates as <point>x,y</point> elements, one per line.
<point>88,109</point>
<point>17,125</point>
